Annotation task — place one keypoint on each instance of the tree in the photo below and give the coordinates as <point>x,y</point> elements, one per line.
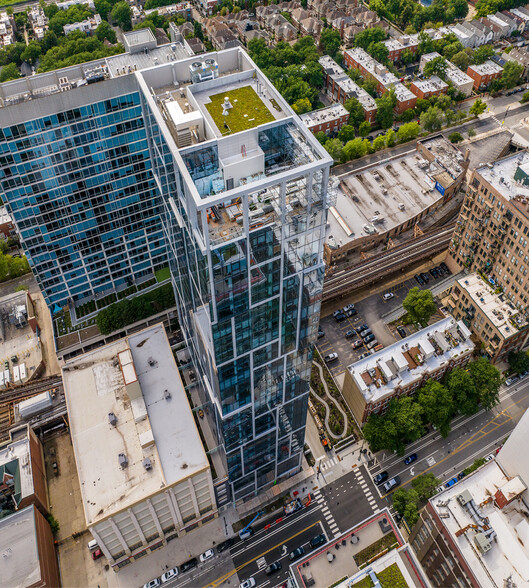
<point>432,119</point>
<point>379,433</point>
<point>121,15</point>
<point>354,149</point>
<point>301,106</point>
<point>364,129</point>
<point>9,72</point>
<point>518,361</point>
<point>487,380</point>
<point>385,106</point>
<point>407,417</point>
<point>452,48</point>
<point>461,59</point>
<point>408,132</point>
<point>197,30</point>
<point>105,31</point>
<point>511,75</point>
<point>390,138</point>
<point>346,133</point>
<point>322,137</point>
<point>408,115</point>
<point>330,42</point>
<point>379,142</point>
<point>378,51</point>
<point>483,53</point>
<point>50,40</point>
<point>455,137</point>
<point>436,67</point>
<point>419,305</point>
<point>356,112</point>
<point>425,485</point>
<point>368,36</point>
<point>32,52</point>
<point>471,132</point>
<point>463,391</point>
<point>334,148</point>
<point>406,503</point>
<point>478,107</point>
<point>437,405</point>
<point>370,86</point>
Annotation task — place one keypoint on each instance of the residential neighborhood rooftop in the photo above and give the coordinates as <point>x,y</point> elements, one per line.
<point>509,176</point>
<point>377,70</point>
<point>409,360</point>
<point>432,84</point>
<point>324,115</point>
<point>486,69</point>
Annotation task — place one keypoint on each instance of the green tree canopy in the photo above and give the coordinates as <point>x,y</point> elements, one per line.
<point>368,36</point>
<point>364,129</point>
<point>378,51</point>
<point>385,105</point>
<point>419,305</point>
<point>432,119</point>
<point>379,142</point>
<point>478,107</point>
<point>354,149</point>
<point>518,361</point>
<point>425,485</point>
<point>346,133</point>
<point>462,59</point>
<point>32,52</point>
<point>408,132</point>
<point>356,112</point>
<point>487,380</point>
<point>334,148</point>
<point>512,72</point>
<point>437,67</point>
<point>455,137</point>
<point>406,503</point>
<point>9,72</point>
<point>121,14</point>
<point>330,41</point>
<point>302,105</point>
<point>482,53</point>
<point>390,138</point>
<point>105,31</point>
<point>437,405</point>
<point>463,390</point>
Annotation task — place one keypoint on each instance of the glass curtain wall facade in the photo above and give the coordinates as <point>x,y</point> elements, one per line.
<point>249,296</point>
<point>80,187</point>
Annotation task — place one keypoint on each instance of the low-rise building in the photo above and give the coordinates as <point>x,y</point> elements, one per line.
<point>398,46</point>
<point>494,321</point>
<point>69,3</point>
<point>404,367</point>
<point>22,473</point>
<point>433,86</point>
<point>519,55</point>
<point>87,26</point>
<point>7,29</point>
<point>484,73</point>
<point>406,99</point>
<point>7,227</point>
<point>28,549</point>
<point>143,472</point>
<point>38,21</point>
<point>182,9</point>
<point>329,119</point>
<point>459,79</point>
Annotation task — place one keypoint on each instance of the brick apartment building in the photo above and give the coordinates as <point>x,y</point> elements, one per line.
<point>329,120</point>
<point>484,73</point>
<point>433,86</point>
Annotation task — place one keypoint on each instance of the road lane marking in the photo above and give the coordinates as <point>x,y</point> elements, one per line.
<point>223,578</point>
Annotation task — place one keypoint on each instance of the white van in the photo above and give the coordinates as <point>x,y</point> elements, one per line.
<point>92,545</point>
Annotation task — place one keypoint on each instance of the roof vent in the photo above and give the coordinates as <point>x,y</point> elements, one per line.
<point>152,362</point>
<point>147,464</point>
<point>123,461</point>
<point>167,395</point>
<point>112,419</point>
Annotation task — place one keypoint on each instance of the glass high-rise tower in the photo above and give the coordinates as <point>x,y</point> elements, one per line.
<point>203,157</point>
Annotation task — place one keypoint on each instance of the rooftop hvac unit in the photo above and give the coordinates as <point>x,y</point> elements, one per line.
<point>112,419</point>
<point>147,464</point>
<point>123,461</point>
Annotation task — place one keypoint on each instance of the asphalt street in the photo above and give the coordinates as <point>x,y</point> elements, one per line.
<point>471,437</point>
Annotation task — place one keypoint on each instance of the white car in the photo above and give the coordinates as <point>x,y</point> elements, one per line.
<point>153,583</point>
<point>169,575</point>
<point>250,583</point>
<point>388,296</point>
<point>207,555</point>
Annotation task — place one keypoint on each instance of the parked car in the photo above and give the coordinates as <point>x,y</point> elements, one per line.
<point>391,484</point>
<point>152,584</point>
<point>188,565</point>
<point>347,308</point>
<point>373,343</point>
<point>451,482</point>
<point>351,312</point>
<point>510,381</point>
<point>225,545</point>
<point>169,575</point>
<point>425,277</point>
<point>207,555</point>
<point>410,459</point>
<point>365,354</point>
<point>364,333</point>
<point>273,567</point>
<point>432,272</point>
<point>381,477</point>
<point>369,338</point>
<point>317,541</point>
<point>388,296</point>
<point>339,317</point>
<point>445,268</point>
<point>97,554</point>
<point>350,334</point>
<point>402,332</point>
<point>330,358</point>
<point>461,475</point>
<point>320,334</point>
<point>357,344</point>
<point>250,583</point>
<point>296,554</point>
<point>336,313</point>
<point>362,327</point>
<point>418,279</point>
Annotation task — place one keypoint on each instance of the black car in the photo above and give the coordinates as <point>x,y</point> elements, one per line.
<point>350,334</point>
<point>425,277</point>
<point>225,545</point>
<point>273,567</point>
<point>369,338</point>
<point>296,554</point>
<point>189,565</point>
<point>444,267</point>
<point>320,334</point>
<point>339,317</point>
<point>433,272</point>
<point>418,279</point>
<point>317,541</point>
<point>402,332</point>
<point>352,312</point>
<point>362,328</point>
<point>379,478</point>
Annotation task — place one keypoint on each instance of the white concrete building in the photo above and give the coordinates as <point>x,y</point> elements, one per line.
<point>143,472</point>
<point>459,79</point>
<point>69,3</point>
<point>87,26</point>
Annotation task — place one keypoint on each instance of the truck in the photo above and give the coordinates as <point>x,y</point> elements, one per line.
<point>325,441</point>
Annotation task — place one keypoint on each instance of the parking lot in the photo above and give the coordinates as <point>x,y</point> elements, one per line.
<point>370,311</point>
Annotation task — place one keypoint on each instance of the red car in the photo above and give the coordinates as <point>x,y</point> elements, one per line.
<point>357,344</point>
<point>97,554</point>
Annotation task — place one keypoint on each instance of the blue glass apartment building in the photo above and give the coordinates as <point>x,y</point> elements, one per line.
<point>108,180</point>
<point>77,179</point>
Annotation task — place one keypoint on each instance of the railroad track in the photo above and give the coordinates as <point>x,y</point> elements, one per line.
<point>372,269</point>
<point>14,394</point>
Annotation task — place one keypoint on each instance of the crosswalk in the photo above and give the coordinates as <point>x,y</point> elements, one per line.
<point>365,489</point>
<point>325,465</point>
<point>327,514</point>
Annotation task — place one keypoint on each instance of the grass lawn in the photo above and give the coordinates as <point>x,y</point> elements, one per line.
<point>391,577</point>
<point>245,101</point>
<point>163,274</point>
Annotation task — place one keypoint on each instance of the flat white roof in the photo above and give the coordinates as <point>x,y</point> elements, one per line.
<point>487,68</point>
<point>496,309</point>
<point>500,175</point>
<point>432,84</point>
<point>18,545</point>
<point>410,359</point>
<point>378,71</point>
<point>509,552</point>
<point>163,423</point>
<point>324,115</point>
<point>18,449</point>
